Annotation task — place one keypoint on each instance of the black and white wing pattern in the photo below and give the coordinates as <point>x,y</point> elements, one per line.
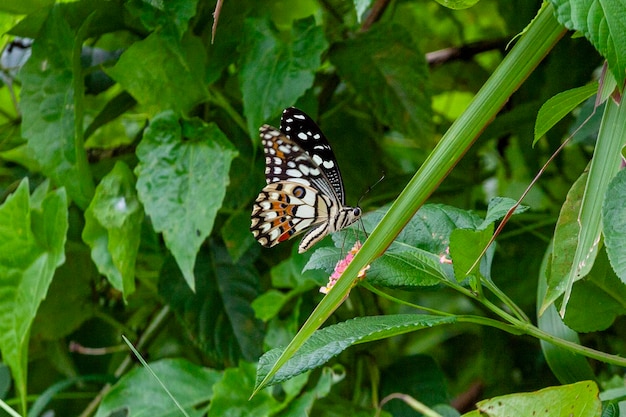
<point>301,129</point>
<point>304,190</point>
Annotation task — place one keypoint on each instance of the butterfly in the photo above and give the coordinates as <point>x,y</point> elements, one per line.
<point>304,191</point>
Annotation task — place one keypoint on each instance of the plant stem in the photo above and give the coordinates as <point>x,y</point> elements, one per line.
<point>219,100</point>
<point>147,335</point>
<point>519,313</point>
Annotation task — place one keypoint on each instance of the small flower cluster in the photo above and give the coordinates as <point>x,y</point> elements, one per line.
<point>445,258</point>
<point>341,266</point>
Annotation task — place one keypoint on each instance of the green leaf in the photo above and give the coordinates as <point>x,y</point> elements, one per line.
<point>275,72</point>
<point>604,166</point>
<point>232,392</point>
<point>565,241</point>
<point>173,15</point>
<point>465,248</point>
<point>332,340</point>
<point>387,71</point>
<point>32,240</point>
<point>236,234</point>
<point>108,16</point>
<point>24,6</point>
<point>614,224</point>
<point>566,366</point>
<point>603,22</point>
<point>170,76</point>
<point>113,226</point>
<point>579,399</point>
<point>218,315</point>
<point>140,393</point>
<point>557,107</point>
<point>301,406</point>
<point>414,258</point>
<point>49,108</point>
<point>181,180</point>
<point>457,4</point>
<point>269,304</point>
<point>498,208</point>
<point>232,396</point>
<point>597,300</point>
<point>70,296</point>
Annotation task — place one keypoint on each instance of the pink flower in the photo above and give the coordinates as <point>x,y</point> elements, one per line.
<point>341,266</point>
<point>445,258</point>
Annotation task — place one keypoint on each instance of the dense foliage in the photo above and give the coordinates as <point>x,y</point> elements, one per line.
<point>130,159</point>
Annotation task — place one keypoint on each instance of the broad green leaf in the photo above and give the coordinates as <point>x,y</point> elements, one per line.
<point>32,240</point>
<point>275,72</point>
<point>415,257</point>
<point>603,22</point>
<point>51,112</point>
<point>114,125</point>
<point>466,247</point>
<point>597,300</point>
<point>24,6</point>
<point>498,208</point>
<point>269,304</point>
<point>457,4</point>
<point>614,224</point>
<point>566,366</point>
<point>604,166</point>
<point>173,15</point>
<point>236,234</point>
<point>565,241</point>
<point>113,226</point>
<point>70,297</point>
<point>301,405</point>
<point>170,76</point>
<point>387,71</point>
<point>232,396</point>
<point>218,315</point>
<point>181,180</point>
<point>107,16</point>
<point>140,393</point>
<point>332,340</point>
<point>579,399</point>
<point>559,106</point>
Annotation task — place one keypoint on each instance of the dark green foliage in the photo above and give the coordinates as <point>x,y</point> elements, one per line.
<point>130,159</point>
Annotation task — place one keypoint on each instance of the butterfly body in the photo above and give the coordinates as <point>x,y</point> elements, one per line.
<point>304,191</point>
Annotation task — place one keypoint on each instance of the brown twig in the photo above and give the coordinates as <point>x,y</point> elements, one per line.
<point>375,14</point>
<point>464,52</point>
<point>216,17</point>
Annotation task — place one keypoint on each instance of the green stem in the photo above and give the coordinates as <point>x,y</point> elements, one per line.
<point>219,100</point>
<point>531,330</point>
<point>519,313</point>
<point>391,298</point>
<point>467,319</point>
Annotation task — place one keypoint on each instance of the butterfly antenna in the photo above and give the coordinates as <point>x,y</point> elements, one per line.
<point>361,198</point>
<point>370,189</point>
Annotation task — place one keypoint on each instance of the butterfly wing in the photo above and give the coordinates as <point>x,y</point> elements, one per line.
<point>299,195</point>
<point>285,209</point>
<point>286,161</point>
<point>302,130</point>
